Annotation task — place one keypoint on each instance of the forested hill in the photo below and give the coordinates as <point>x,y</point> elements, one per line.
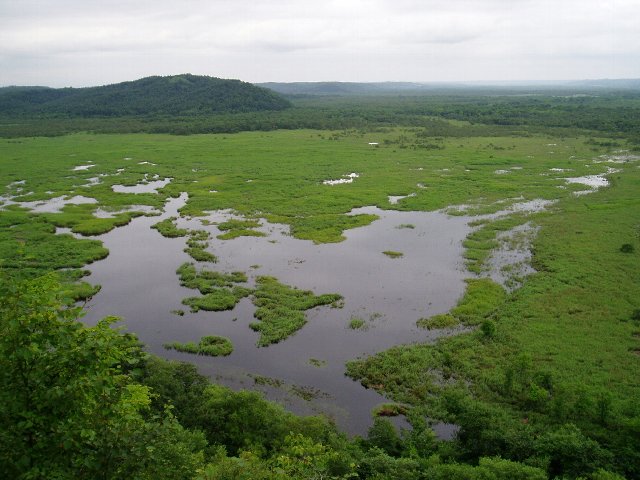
<point>174,95</point>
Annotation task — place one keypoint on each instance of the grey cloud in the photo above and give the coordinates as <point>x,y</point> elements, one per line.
<point>290,40</point>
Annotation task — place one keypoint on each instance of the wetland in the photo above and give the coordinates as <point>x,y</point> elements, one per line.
<point>360,274</point>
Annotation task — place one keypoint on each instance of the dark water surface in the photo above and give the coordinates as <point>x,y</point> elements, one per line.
<point>140,285</point>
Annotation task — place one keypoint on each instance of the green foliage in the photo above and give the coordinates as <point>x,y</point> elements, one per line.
<point>197,244</point>
<point>220,290</point>
<point>98,226</point>
<point>601,474</point>
<point>438,321</point>
<point>231,234</point>
<point>324,228</point>
<point>29,246</point>
<point>199,254</point>
<point>302,458</point>
<point>384,436</point>
<point>80,291</point>
<point>571,453</point>
<point>213,346</point>
<point>235,228</point>
<point>167,228</point>
<point>356,323</point>
<point>281,309</point>
<point>246,466</point>
<point>317,362</point>
<point>245,421</point>
<point>387,370</point>
<point>389,410</point>
<point>494,468</point>
<point>68,409</point>
<point>480,243</point>
<point>393,254</point>
<point>482,296</point>
<point>174,95</point>
<point>480,113</point>
<point>488,328</point>
<point>218,300</point>
<point>627,248</point>
<point>207,281</point>
<point>239,228</point>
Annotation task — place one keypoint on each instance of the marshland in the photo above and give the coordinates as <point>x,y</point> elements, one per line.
<point>432,288</point>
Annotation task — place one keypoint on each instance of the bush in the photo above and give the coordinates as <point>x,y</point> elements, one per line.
<point>627,248</point>
<point>488,328</point>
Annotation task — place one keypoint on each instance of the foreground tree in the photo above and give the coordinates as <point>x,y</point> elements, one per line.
<point>68,407</point>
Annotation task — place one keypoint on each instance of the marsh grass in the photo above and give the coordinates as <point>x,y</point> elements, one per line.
<point>438,321</point>
<point>356,323</point>
<point>305,392</point>
<point>481,298</point>
<point>220,291</point>
<point>269,381</point>
<point>393,254</point>
<point>406,225</point>
<point>551,351</point>
<point>80,219</point>
<point>323,228</point>
<point>231,234</point>
<point>389,410</point>
<point>80,291</point>
<point>481,242</point>
<point>29,247</point>
<point>199,254</point>
<point>558,341</point>
<point>168,228</point>
<point>627,248</point>
<point>239,228</point>
<point>311,210</point>
<point>235,224</point>
<point>197,243</point>
<point>218,300</point>
<point>213,346</point>
<point>281,308</point>
<point>317,363</point>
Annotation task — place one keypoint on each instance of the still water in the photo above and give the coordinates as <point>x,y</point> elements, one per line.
<point>140,285</point>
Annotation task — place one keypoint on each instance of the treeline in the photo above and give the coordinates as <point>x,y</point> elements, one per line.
<point>174,95</point>
<point>616,114</point>
<point>87,402</point>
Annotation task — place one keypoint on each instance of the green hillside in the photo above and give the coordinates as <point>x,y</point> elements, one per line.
<point>175,95</point>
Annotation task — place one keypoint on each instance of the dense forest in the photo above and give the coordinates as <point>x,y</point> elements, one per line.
<point>165,108</point>
<point>174,95</point>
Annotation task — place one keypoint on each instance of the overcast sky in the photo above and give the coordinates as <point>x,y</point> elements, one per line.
<point>87,42</point>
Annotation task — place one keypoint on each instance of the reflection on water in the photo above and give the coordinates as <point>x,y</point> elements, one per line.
<point>53,205</point>
<point>143,187</point>
<point>511,261</point>
<point>139,284</point>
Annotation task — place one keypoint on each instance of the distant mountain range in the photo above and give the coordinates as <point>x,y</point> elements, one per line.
<point>194,95</point>
<point>174,95</point>
<point>373,88</point>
